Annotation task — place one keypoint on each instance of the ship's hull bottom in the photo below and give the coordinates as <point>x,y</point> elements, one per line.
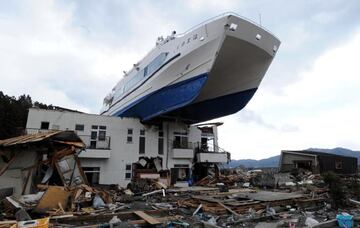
<point>166,99</point>
<point>214,108</point>
<point>175,101</point>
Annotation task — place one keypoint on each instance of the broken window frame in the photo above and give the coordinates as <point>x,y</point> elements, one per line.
<point>92,170</point>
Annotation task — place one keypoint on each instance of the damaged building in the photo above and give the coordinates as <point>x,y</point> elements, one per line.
<point>317,162</point>
<point>42,158</point>
<point>119,149</point>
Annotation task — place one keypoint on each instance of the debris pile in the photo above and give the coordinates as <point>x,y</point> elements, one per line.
<point>55,193</point>
<point>195,206</point>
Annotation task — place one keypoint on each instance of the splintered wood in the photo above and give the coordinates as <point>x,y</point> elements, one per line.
<point>234,204</point>
<point>228,180</point>
<point>54,198</point>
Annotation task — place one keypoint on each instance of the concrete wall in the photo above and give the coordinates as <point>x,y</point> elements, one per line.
<point>112,170</point>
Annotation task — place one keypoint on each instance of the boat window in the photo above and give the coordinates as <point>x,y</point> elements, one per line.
<point>156,63</point>
<point>147,71</point>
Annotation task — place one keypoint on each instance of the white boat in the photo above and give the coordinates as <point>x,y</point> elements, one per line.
<point>210,71</point>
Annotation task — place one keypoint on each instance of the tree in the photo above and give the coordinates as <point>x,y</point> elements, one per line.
<point>13,114</point>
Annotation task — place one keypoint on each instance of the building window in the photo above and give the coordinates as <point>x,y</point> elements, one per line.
<point>181,166</point>
<point>338,165</point>
<point>44,125</point>
<point>94,135</point>
<point>128,171</point>
<point>181,140</point>
<point>102,135</point>
<point>129,135</point>
<point>97,137</point>
<point>142,145</point>
<point>79,127</point>
<point>92,174</point>
<point>92,144</point>
<point>161,146</point>
<point>142,132</point>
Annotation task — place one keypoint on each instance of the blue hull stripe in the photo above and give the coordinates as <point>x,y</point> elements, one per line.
<point>165,99</point>
<point>215,108</point>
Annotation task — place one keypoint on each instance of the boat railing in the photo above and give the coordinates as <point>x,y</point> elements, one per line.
<point>220,16</point>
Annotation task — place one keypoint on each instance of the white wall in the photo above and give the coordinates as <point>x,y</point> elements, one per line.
<point>112,170</point>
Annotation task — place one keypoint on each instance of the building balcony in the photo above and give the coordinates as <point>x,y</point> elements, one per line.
<point>97,143</point>
<point>183,153</point>
<point>213,157</point>
<point>96,148</point>
<point>183,149</point>
<point>95,153</point>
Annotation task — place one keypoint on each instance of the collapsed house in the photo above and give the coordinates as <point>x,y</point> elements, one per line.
<point>121,149</point>
<point>317,162</point>
<point>41,158</point>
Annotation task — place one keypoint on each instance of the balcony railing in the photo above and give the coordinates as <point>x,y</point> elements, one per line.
<point>37,130</point>
<point>183,145</point>
<point>98,143</point>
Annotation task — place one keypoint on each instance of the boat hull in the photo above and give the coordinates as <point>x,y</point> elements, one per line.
<point>166,99</point>
<point>212,76</point>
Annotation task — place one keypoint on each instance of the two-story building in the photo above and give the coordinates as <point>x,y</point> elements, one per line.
<point>117,147</point>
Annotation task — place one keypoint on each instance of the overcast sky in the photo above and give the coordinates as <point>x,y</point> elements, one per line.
<point>71,54</point>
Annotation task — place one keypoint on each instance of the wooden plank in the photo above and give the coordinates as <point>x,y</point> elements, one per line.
<point>229,209</point>
<point>151,220</point>
<point>8,222</point>
<point>52,197</point>
<point>107,216</point>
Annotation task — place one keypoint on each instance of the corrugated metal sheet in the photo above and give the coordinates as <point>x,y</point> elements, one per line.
<point>64,137</point>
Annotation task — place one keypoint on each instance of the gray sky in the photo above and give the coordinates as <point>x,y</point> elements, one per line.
<point>71,54</point>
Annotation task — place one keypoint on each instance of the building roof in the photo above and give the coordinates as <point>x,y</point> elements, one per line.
<point>64,137</point>
<point>311,152</point>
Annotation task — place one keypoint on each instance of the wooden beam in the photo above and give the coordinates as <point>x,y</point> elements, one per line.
<point>151,220</point>
<point>229,209</point>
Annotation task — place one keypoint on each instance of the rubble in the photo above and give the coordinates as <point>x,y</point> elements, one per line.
<point>233,198</point>
<point>196,206</point>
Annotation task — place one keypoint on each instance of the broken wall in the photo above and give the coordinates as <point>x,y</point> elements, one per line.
<point>287,161</point>
<point>16,174</point>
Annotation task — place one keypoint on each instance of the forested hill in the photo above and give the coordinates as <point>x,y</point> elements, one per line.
<point>13,114</point>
